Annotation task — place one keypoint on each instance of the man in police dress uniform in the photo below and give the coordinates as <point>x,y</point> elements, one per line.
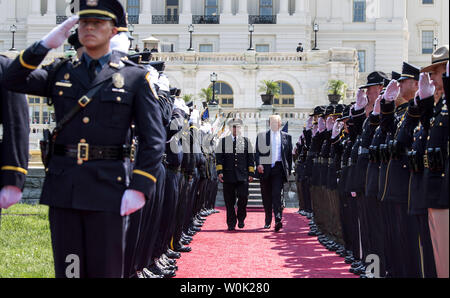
<point>88,185</point>
<point>235,169</point>
<point>14,143</point>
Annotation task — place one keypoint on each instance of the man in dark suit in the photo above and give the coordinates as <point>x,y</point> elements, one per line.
<point>274,159</point>
<point>235,169</point>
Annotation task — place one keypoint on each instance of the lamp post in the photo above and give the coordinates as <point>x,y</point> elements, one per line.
<point>13,30</point>
<point>251,29</point>
<point>191,30</point>
<point>316,29</point>
<point>213,79</point>
<point>435,43</point>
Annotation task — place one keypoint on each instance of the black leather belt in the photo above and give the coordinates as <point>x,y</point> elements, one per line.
<point>87,152</point>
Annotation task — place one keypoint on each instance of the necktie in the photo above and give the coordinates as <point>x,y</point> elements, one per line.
<point>93,69</point>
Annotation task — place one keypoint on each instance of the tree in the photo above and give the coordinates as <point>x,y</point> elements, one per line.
<point>206,94</point>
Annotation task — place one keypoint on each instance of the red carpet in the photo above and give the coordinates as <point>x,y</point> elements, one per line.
<point>257,253</point>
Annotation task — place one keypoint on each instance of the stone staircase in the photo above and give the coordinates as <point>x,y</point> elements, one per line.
<point>254,198</point>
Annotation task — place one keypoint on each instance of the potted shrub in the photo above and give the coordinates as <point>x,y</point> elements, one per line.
<point>336,90</point>
<point>206,94</point>
<point>270,90</point>
<point>188,97</point>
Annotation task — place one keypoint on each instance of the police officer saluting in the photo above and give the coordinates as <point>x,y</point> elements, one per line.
<point>89,186</point>
<point>235,169</point>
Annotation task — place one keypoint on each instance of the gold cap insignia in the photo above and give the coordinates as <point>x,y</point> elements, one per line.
<point>66,76</point>
<point>118,80</point>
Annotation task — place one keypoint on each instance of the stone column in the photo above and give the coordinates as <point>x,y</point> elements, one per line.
<point>186,12</point>
<point>226,7</point>
<point>145,16</point>
<point>227,17</point>
<point>51,7</point>
<point>284,7</point>
<point>35,7</point>
<point>243,7</point>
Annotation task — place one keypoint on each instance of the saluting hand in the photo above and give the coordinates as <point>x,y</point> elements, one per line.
<point>315,129</point>
<point>58,35</point>
<point>377,106</point>
<point>426,86</point>
<point>9,195</point>
<point>392,91</point>
<point>361,100</point>
<point>330,123</point>
<point>132,201</point>
<point>321,124</point>
<point>309,123</point>
<point>337,127</point>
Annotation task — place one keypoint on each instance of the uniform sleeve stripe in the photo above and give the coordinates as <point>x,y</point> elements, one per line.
<point>24,64</point>
<point>219,167</point>
<point>145,174</point>
<point>16,169</point>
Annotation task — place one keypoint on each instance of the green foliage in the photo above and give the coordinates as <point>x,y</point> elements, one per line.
<point>206,94</point>
<point>25,243</point>
<point>269,88</point>
<point>188,97</point>
<point>337,87</point>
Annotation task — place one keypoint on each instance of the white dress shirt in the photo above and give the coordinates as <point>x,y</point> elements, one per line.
<point>275,142</point>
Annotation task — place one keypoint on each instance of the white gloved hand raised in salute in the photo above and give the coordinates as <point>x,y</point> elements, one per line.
<point>377,106</point>
<point>321,124</point>
<point>392,91</point>
<point>132,201</point>
<point>59,34</point>
<point>361,100</point>
<point>337,127</point>
<point>9,195</point>
<point>315,129</point>
<point>309,123</point>
<point>426,86</point>
<point>330,123</point>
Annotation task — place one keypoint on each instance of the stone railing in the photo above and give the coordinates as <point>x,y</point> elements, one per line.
<point>292,113</point>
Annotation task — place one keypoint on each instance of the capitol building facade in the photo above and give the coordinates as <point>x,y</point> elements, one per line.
<point>351,39</point>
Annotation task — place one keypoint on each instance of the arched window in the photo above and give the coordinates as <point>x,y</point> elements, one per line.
<point>286,97</point>
<point>224,94</point>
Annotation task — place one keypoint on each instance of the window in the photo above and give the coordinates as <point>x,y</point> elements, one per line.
<point>133,9</point>
<point>359,10</point>
<point>427,42</point>
<point>211,7</point>
<point>40,112</point>
<point>206,48</point>
<point>224,94</point>
<point>263,48</point>
<point>172,9</point>
<point>427,1</point>
<point>286,97</point>
<point>265,7</point>
<point>362,60</point>
<point>167,47</point>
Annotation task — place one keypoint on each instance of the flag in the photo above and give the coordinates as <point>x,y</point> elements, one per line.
<point>205,114</point>
<point>286,127</point>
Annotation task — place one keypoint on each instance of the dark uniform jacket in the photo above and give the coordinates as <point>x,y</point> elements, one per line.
<point>16,129</point>
<point>358,119</point>
<point>126,95</point>
<point>263,155</point>
<point>235,160</point>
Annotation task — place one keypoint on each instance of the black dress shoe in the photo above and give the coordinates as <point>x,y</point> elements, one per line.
<point>278,226</point>
<point>349,260</point>
<point>148,274</point>
<point>357,264</point>
<point>231,229</point>
<point>159,271</point>
<point>241,225</point>
<point>267,227</point>
<point>183,249</point>
<point>173,255</point>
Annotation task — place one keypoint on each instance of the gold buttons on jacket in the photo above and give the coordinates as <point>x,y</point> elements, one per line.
<point>119,179</point>
<point>119,99</point>
<point>86,120</point>
<point>60,93</point>
<point>66,76</point>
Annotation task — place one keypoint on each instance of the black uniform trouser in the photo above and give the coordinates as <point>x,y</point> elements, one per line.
<point>376,230</point>
<point>151,216</point>
<point>168,211</point>
<point>428,265</point>
<point>192,193</point>
<point>306,190</point>
<point>212,194</point>
<point>184,186</point>
<point>94,238</point>
<point>364,227</point>
<point>346,220</point>
<point>232,192</point>
<point>354,227</point>
<point>271,193</point>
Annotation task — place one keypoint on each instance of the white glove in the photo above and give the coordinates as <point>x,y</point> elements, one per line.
<point>330,123</point>
<point>392,91</point>
<point>377,106</point>
<point>120,42</point>
<point>361,100</point>
<point>416,97</point>
<point>309,123</point>
<point>321,124</point>
<point>353,194</point>
<point>426,86</point>
<point>337,127</point>
<point>447,71</point>
<point>132,201</point>
<point>315,129</point>
<point>9,195</point>
<point>58,35</point>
